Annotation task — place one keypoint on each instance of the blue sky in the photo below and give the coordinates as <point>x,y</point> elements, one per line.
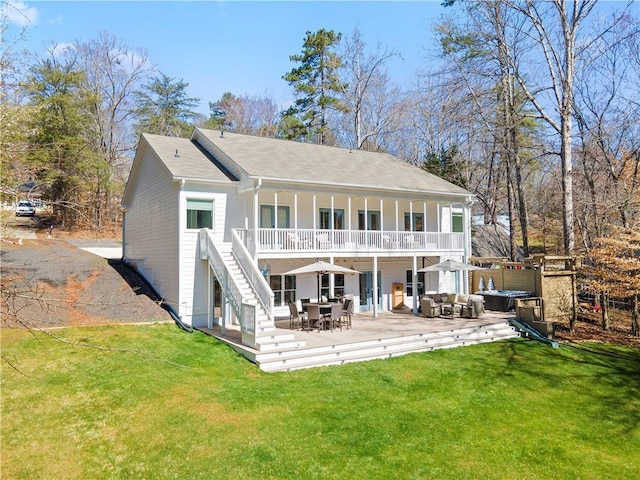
<point>237,46</point>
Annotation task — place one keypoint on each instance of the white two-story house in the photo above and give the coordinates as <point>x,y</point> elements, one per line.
<point>214,221</point>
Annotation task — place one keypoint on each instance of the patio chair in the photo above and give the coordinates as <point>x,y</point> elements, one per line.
<point>303,302</point>
<point>297,319</point>
<point>347,311</point>
<point>331,320</point>
<point>323,241</point>
<point>429,307</point>
<point>314,317</point>
<point>474,307</point>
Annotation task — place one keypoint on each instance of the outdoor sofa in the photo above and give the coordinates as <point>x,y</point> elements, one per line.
<point>435,304</point>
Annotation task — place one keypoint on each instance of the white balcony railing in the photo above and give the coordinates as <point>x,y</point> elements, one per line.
<point>303,240</point>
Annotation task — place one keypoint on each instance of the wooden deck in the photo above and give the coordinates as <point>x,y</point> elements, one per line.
<point>388,334</point>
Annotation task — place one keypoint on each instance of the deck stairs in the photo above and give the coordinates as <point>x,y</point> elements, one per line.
<point>287,358</point>
<point>268,337</point>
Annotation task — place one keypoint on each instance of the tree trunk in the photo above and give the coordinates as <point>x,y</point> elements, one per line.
<point>604,311</point>
<point>635,316</point>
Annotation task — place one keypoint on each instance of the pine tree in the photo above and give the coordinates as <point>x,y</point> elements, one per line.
<point>164,108</point>
<point>316,83</point>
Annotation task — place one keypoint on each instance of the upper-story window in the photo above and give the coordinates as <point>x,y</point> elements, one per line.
<point>370,221</point>
<point>457,222</point>
<point>199,213</point>
<point>268,217</point>
<point>417,225</point>
<point>338,219</point>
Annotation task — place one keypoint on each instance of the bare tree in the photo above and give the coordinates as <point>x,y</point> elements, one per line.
<point>608,120</point>
<point>252,115</point>
<point>556,29</point>
<point>367,94</point>
<point>113,71</point>
<point>482,53</point>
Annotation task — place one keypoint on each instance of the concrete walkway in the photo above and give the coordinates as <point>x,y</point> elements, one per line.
<point>110,249</point>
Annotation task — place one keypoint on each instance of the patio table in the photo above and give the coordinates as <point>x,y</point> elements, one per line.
<point>447,310</point>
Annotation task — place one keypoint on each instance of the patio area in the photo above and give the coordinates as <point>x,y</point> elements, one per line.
<point>391,333</point>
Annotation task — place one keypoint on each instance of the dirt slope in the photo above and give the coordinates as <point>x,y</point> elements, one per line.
<point>51,283</point>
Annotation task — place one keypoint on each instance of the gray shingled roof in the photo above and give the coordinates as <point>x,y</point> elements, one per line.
<point>290,161</point>
<point>190,163</point>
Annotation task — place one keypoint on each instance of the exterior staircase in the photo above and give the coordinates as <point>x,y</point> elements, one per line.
<point>267,336</point>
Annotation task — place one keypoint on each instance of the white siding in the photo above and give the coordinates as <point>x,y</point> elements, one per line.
<point>194,304</point>
<point>151,228</point>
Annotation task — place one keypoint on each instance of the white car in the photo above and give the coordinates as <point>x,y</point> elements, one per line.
<point>25,208</point>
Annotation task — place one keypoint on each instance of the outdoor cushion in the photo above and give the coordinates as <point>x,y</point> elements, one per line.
<point>429,307</point>
<point>461,298</point>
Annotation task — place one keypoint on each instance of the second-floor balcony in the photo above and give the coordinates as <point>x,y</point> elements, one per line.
<point>350,241</point>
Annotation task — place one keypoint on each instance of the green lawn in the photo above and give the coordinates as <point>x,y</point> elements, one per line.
<point>176,405</point>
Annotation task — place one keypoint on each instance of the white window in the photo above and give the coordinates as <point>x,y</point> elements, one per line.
<point>409,283</point>
<point>199,214</point>
<point>268,219</point>
<point>457,222</point>
<point>284,289</point>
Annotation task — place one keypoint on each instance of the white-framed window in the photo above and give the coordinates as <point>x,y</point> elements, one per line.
<point>370,221</point>
<point>199,213</point>
<point>268,217</point>
<point>338,218</point>
<point>409,283</point>
<point>413,223</point>
<point>338,285</point>
<point>457,222</point>
<point>284,289</point>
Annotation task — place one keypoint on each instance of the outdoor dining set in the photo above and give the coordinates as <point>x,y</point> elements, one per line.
<point>327,316</point>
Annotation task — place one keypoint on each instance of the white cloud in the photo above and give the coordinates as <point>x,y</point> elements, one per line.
<point>19,13</point>
<point>56,21</point>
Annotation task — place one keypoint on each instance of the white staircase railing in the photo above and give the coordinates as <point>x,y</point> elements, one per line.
<point>244,311</point>
<point>252,273</point>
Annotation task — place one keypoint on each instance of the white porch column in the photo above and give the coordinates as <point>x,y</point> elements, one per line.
<point>424,215</point>
<point>295,210</point>
<point>332,280</point>
<point>414,282</point>
<point>375,286</point>
<point>332,214</point>
<point>351,239</point>
<point>397,215</point>
<point>256,216</point>
<point>411,225</point>
<point>381,215</point>
<point>210,294</point>
<point>315,223</point>
<point>366,219</point>
<point>275,209</point>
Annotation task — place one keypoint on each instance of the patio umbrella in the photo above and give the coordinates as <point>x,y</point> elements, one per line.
<point>449,266</point>
<point>320,267</point>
